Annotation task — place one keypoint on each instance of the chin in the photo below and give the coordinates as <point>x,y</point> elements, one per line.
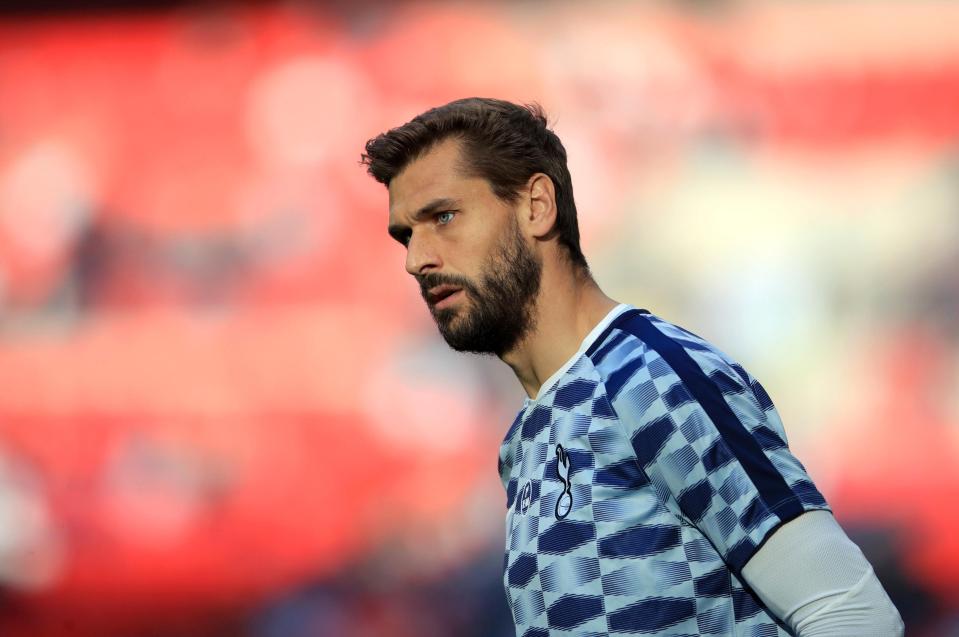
<point>446,315</point>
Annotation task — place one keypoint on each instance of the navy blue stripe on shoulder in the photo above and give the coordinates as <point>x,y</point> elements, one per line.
<point>773,489</point>
<point>611,343</point>
<point>619,320</point>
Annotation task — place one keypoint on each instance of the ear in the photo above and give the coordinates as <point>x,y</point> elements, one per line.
<point>540,217</point>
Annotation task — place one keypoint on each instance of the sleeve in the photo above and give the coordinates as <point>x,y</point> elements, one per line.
<point>812,576</point>
<point>709,439</point>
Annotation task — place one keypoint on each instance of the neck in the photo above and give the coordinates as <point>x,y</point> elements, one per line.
<point>568,307</point>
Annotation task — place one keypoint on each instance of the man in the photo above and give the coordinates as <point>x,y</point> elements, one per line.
<point>649,486</point>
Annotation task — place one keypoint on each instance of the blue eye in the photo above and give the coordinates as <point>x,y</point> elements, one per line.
<point>444,217</point>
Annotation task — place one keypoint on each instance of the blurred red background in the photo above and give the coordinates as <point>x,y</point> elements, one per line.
<point>220,390</point>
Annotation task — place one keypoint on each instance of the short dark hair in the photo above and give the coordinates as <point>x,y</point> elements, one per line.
<point>504,143</point>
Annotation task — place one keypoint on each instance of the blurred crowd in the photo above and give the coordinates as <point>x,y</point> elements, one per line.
<point>225,410</point>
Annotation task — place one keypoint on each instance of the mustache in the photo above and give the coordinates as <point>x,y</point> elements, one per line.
<point>427,281</point>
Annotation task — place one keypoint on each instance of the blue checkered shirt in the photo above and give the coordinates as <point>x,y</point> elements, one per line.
<point>639,482</point>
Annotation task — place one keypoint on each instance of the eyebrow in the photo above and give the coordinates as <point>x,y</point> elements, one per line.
<point>399,231</point>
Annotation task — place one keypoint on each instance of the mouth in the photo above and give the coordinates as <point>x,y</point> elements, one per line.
<point>443,295</point>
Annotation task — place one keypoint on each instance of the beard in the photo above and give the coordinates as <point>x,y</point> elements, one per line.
<point>501,306</point>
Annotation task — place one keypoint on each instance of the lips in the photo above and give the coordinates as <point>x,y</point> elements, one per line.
<point>440,292</point>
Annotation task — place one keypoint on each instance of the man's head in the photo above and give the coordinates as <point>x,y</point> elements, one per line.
<point>474,185</point>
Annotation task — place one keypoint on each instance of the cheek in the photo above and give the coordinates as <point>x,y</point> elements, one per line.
<point>477,249</point>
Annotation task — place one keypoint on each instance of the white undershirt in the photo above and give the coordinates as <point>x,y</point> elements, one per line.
<point>814,578</point>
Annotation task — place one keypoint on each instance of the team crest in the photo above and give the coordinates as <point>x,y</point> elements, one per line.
<point>564,503</point>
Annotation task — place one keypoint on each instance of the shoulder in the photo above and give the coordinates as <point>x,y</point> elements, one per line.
<point>650,366</point>
<point>640,345</point>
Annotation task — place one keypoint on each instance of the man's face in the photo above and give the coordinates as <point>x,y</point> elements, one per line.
<point>477,274</point>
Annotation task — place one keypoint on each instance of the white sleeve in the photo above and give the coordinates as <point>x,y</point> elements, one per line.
<point>814,578</point>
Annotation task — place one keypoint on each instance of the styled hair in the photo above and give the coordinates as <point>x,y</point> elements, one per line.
<point>502,142</point>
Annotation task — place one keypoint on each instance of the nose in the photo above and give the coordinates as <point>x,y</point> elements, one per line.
<point>421,255</point>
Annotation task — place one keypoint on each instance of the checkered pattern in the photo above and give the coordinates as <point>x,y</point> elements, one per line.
<point>679,470</point>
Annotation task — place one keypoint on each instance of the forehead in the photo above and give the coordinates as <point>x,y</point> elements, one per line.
<point>434,175</point>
